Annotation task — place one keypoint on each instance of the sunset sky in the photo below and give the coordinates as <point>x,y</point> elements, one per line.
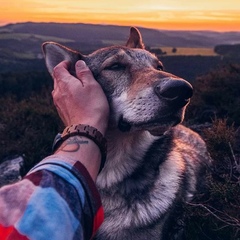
<point>219,15</point>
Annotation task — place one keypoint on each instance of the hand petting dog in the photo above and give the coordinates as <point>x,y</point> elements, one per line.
<point>72,97</point>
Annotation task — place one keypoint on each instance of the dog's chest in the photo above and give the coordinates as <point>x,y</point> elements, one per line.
<point>135,190</point>
<point>125,154</point>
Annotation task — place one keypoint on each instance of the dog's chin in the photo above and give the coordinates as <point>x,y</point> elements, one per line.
<point>160,130</point>
<point>156,128</point>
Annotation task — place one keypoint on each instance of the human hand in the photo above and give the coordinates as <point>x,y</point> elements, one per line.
<point>79,100</point>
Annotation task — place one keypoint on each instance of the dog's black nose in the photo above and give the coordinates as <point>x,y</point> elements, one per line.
<point>176,90</point>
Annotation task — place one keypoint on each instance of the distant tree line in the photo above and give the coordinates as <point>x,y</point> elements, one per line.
<point>228,50</point>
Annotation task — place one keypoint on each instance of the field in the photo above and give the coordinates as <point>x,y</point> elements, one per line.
<point>169,51</point>
<point>185,51</point>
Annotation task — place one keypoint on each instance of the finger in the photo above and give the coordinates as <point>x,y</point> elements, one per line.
<point>60,72</point>
<point>83,72</point>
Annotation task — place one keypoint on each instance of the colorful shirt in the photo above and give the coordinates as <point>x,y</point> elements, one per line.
<point>56,200</point>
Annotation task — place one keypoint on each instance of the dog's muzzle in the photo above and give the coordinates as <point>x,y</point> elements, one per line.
<point>177,92</point>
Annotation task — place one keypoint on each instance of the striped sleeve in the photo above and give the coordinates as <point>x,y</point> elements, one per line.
<point>56,200</point>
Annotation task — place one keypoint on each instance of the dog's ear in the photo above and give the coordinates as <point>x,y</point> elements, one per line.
<point>55,53</point>
<point>135,39</point>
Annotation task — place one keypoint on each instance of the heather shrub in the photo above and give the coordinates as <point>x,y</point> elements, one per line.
<point>28,127</point>
<point>216,94</point>
<point>215,214</point>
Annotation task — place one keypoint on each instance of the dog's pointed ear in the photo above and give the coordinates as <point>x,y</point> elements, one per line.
<point>55,53</point>
<point>135,39</point>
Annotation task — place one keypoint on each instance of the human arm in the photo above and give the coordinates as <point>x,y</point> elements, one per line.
<point>80,102</point>
<point>58,198</point>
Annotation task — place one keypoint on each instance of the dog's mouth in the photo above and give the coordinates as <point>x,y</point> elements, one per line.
<point>124,125</point>
<point>156,127</point>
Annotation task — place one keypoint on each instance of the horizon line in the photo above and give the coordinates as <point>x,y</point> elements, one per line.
<point>2,24</point>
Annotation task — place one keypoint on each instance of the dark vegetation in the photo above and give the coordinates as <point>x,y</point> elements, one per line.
<point>228,50</point>
<point>189,67</point>
<point>29,122</point>
<point>214,112</point>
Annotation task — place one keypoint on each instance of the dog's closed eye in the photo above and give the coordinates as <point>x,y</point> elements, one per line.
<point>160,67</point>
<point>115,67</point>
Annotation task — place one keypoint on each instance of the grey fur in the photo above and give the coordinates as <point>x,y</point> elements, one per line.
<point>153,166</point>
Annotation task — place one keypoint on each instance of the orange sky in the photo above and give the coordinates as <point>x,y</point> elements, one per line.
<point>165,14</point>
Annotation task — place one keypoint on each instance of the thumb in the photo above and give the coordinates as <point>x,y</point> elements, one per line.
<point>83,72</point>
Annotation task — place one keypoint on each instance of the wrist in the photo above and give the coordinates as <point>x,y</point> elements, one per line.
<point>82,149</point>
<point>86,131</point>
<point>100,124</point>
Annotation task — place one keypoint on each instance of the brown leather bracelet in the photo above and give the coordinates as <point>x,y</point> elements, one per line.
<point>86,131</point>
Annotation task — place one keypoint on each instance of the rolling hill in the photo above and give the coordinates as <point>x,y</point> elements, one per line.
<point>94,34</point>
<point>20,44</point>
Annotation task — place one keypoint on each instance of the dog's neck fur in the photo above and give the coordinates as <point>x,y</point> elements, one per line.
<point>125,152</point>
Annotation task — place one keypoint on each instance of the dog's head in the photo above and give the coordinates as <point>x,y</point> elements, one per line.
<point>141,95</point>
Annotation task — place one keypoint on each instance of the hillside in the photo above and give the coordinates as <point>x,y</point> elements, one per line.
<point>20,44</point>
<point>96,34</point>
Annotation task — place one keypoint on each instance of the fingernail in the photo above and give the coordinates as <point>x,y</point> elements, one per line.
<point>81,64</point>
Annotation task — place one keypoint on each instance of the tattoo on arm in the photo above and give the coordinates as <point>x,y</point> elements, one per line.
<point>72,144</point>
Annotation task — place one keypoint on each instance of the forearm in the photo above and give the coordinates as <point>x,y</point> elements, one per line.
<point>44,205</point>
<point>84,150</point>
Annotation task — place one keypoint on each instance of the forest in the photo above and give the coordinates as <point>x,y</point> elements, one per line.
<point>29,123</point>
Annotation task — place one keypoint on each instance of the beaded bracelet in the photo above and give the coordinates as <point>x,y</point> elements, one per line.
<point>86,131</point>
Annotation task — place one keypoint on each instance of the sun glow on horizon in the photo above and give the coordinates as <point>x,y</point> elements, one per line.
<point>168,14</point>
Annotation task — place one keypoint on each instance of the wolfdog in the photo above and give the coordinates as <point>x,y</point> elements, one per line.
<point>153,162</point>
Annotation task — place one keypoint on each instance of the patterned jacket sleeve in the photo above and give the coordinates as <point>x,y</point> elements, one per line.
<point>56,200</point>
